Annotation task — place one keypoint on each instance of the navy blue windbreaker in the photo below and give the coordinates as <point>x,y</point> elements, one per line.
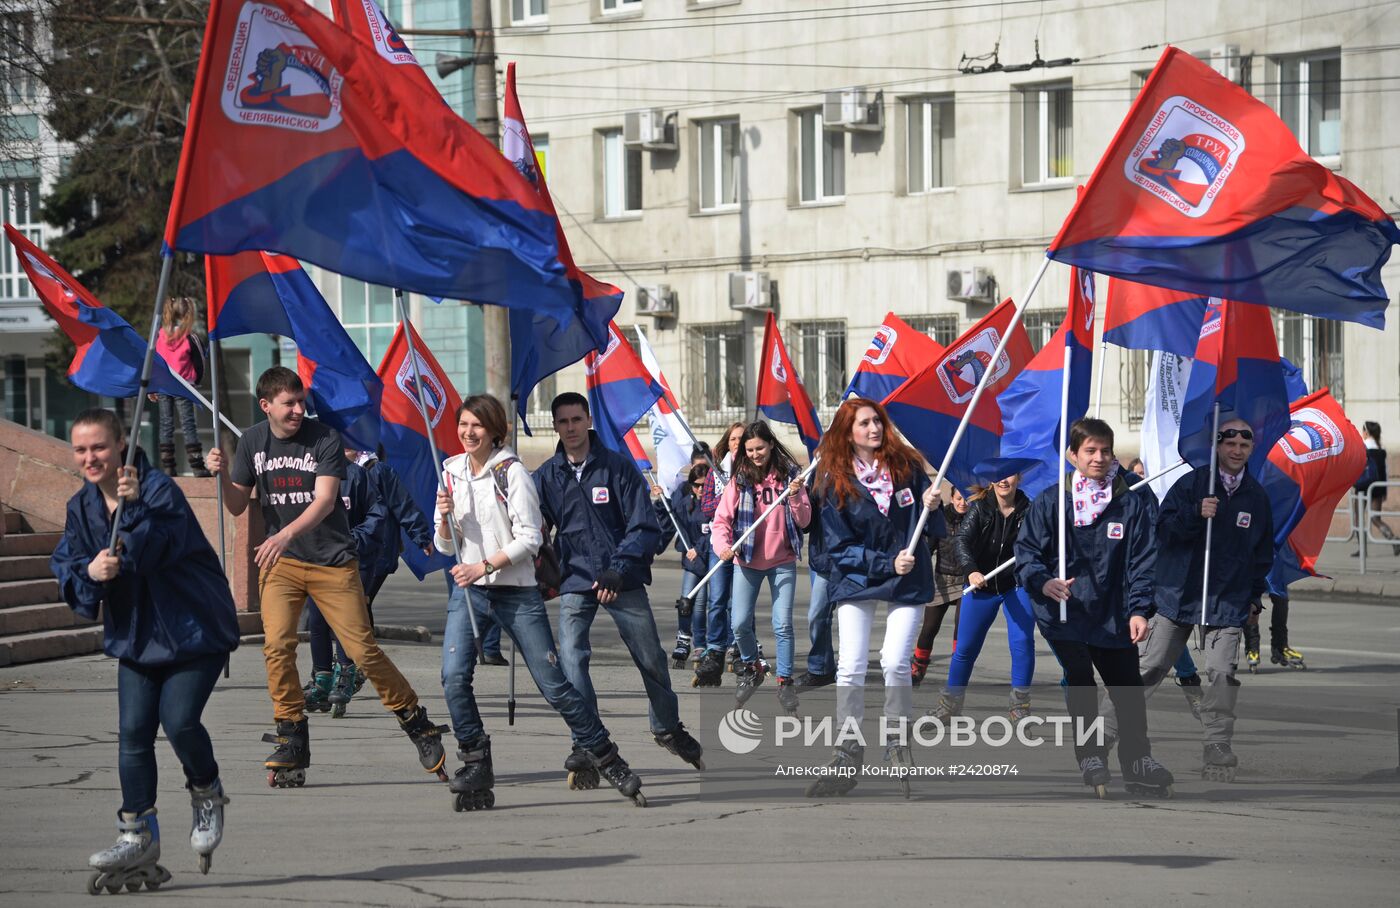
<point>402,519</point>
<point>862,543</point>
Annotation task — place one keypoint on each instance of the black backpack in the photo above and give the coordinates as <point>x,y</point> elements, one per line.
<point>197,358</point>
<point>548,575</point>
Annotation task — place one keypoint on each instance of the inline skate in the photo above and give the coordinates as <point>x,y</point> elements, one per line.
<point>949,705</point>
<point>1019,706</point>
<point>1148,777</point>
<point>582,774</point>
<point>787,696</point>
<point>748,678</point>
<point>609,765</point>
<point>710,671</point>
<point>317,691</point>
<point>286,765</point>
<point>426,736</point>
<point>207,825</point>
<point>1096,775</point>
<point>1285,655</point>
<point>681,654</point>
<point>131,860</point>
<point>1219,763</point>
<point>681,743</point>
<point>1191,689</point>
<point>471,785</point>
<point>841,772</point>
<point>343,691</point>
<point>1251,647</point>
<point>901,760</point>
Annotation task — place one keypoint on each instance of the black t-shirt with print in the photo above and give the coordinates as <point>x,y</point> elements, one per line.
<point>284,471</point>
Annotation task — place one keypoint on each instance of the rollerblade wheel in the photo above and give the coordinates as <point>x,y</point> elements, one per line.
<point>338,711</point>
<point>583,780</point>
<point>133,886</point>
<point>639,799</point>
<point>94,886</point>
<point>114,888</point>
<point>204,863</point>
<point>1102,791</point>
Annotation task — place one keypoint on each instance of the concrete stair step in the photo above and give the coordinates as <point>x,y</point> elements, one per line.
<point>29,544</point>
<point>28,592</point>
<point>47,616</point>
<point>24,567</point>
<point>76,641</point>
<point>13,523</point>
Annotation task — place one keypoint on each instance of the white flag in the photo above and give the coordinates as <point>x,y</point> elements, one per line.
<point>670,434</point>
<point>1161,420</point>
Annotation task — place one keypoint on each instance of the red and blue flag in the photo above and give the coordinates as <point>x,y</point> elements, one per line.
<point>1204,189</point>
<point>1309,470</point>
<point>1236,364</point>
<point>304,139</point>
<point>781,395</point>
<point>639,453</point>
<point>896,352</point>
<point>403,436</point>
<point>365,19</point>
<point>263,293</point>
<point>108,353</point>
<point>1030,405</point>
<point>1143,317</point>
<point>928,407</point>
<point>620,390</point>
<point>541,344</point>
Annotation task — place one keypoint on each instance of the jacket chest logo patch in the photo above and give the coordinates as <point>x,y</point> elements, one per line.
<point>600,495</point>
<point>904,498</point>
<point>1242,519</point>
<point>705,529</point>
<point>1115,531</point>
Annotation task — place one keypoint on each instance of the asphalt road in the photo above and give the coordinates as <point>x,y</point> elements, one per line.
<point>1313,818</point>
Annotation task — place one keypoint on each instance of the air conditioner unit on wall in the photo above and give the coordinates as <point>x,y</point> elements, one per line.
<point>751,290</point>
<point>972,285</point>
<point>649,129</point>
<point>657,300</point>
<point>854,110</point>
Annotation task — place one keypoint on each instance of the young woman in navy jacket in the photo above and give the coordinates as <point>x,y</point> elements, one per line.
<point>872,486</point>
<point>168,619</point>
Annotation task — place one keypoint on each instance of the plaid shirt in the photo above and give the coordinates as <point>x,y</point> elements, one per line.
<point>744,518</point>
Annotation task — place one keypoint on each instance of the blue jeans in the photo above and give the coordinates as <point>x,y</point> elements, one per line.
<point>1185,666</point>
<point>782,584</point>
<point>520,611</point>
<point>166,405</point>
<point>490,635</point>
<point>695,626</point>
<point>632,613</point>
<point>719,633</point>
<point>171,697</point>
<point>821,660</point>
<point>979,610</point>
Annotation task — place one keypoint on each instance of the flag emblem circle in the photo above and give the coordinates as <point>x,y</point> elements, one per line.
<point>1312,435</point>
<point>276,77</point>
<point>1185,155</point>
<point>881,345</point>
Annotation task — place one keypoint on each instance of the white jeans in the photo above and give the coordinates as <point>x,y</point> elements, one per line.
<point>854,621</point>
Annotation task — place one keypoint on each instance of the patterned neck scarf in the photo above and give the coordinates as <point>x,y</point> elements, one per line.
<point>876,480</point>
<point>1231,482</point>
<point>1091,496</point>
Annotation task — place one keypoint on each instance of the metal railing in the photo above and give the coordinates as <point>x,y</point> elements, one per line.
<point>1347,507</point>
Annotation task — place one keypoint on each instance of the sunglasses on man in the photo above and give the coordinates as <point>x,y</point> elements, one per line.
<point>1224,434</point>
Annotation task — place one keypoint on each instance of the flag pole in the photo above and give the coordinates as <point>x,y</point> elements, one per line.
<point>665,502</point>
<point>976,396</point>
<point>219,417</point>
<point>510,679</point>
<point>1205,575</point>
<point>802,477</point>
<point>1098,383</point>
<point>218,483</point>
<point>142,389</point>
<point>675,408</point>
<point>1141,485</point>
<point>422,403</point>
<point>1060,465</point>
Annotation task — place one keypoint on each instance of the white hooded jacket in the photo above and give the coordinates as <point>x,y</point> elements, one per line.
<point>487,525</point>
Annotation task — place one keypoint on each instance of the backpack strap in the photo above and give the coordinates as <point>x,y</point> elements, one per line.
<point>499,472</point>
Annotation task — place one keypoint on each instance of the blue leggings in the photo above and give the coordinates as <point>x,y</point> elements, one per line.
<point>979,610</point>
<point>1185,665</point>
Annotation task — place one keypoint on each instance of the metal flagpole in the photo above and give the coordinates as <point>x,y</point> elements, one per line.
<point>1098,384</point>
<point>1059,463</point>
<point>218,481</point>
<point>976,396</point>
<point>510,679</point>
<point>1205,576</point>
<point>651,476</point>
<point>142,389</point>
<point>432,445</point>
<point>219,417</point>
<point>802,477</point>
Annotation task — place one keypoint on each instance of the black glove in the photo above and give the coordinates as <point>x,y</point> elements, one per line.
<point>610,580</point>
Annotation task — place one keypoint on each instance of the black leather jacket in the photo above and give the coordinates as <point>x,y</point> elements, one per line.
<point>986,538</point>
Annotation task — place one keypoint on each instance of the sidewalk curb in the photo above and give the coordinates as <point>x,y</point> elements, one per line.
<point>1378,590</point>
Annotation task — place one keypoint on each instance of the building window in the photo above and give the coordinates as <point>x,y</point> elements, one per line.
<point>370,317</point>
<point>942,328</point>
<point>19,205</point>
<point>622,177</point>
<point>1133,366</point>
<point>719,165</point>
<point>1314,345</point>
<point>529,12</point>
<point>1310,101</point>
<point>821,359</point>
<point>620,6</point>
<point>1047,134</point>
<point>931,135</point>
<point>821,159</point>
<point>715,372</point>
<point>1041,325</point>
<point>17,40</point>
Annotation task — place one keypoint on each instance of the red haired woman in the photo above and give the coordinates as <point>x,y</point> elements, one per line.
<point>872,485</point>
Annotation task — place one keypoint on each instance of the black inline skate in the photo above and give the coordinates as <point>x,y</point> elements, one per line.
<point>426,736</point>
<point>747,680</point>
<point>841,772</point>
<point>343,691</point>
<point>207,825</point>
<point>582,774</point>
<point>1287,656</point>
<point>317,692</point>
<point>471,785</point>
<point>731,659</point>
<point>1219,763</point>
<point>286,765</point>
<point>1251,647</point>
<point>681,654</point>
<point>1148,777</point>
<point>1096,775</point>
<point>609,765</point>
<point>710,672</point>
<point>787,696</point>
<point>681,743</point>
<point>131,860</point>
